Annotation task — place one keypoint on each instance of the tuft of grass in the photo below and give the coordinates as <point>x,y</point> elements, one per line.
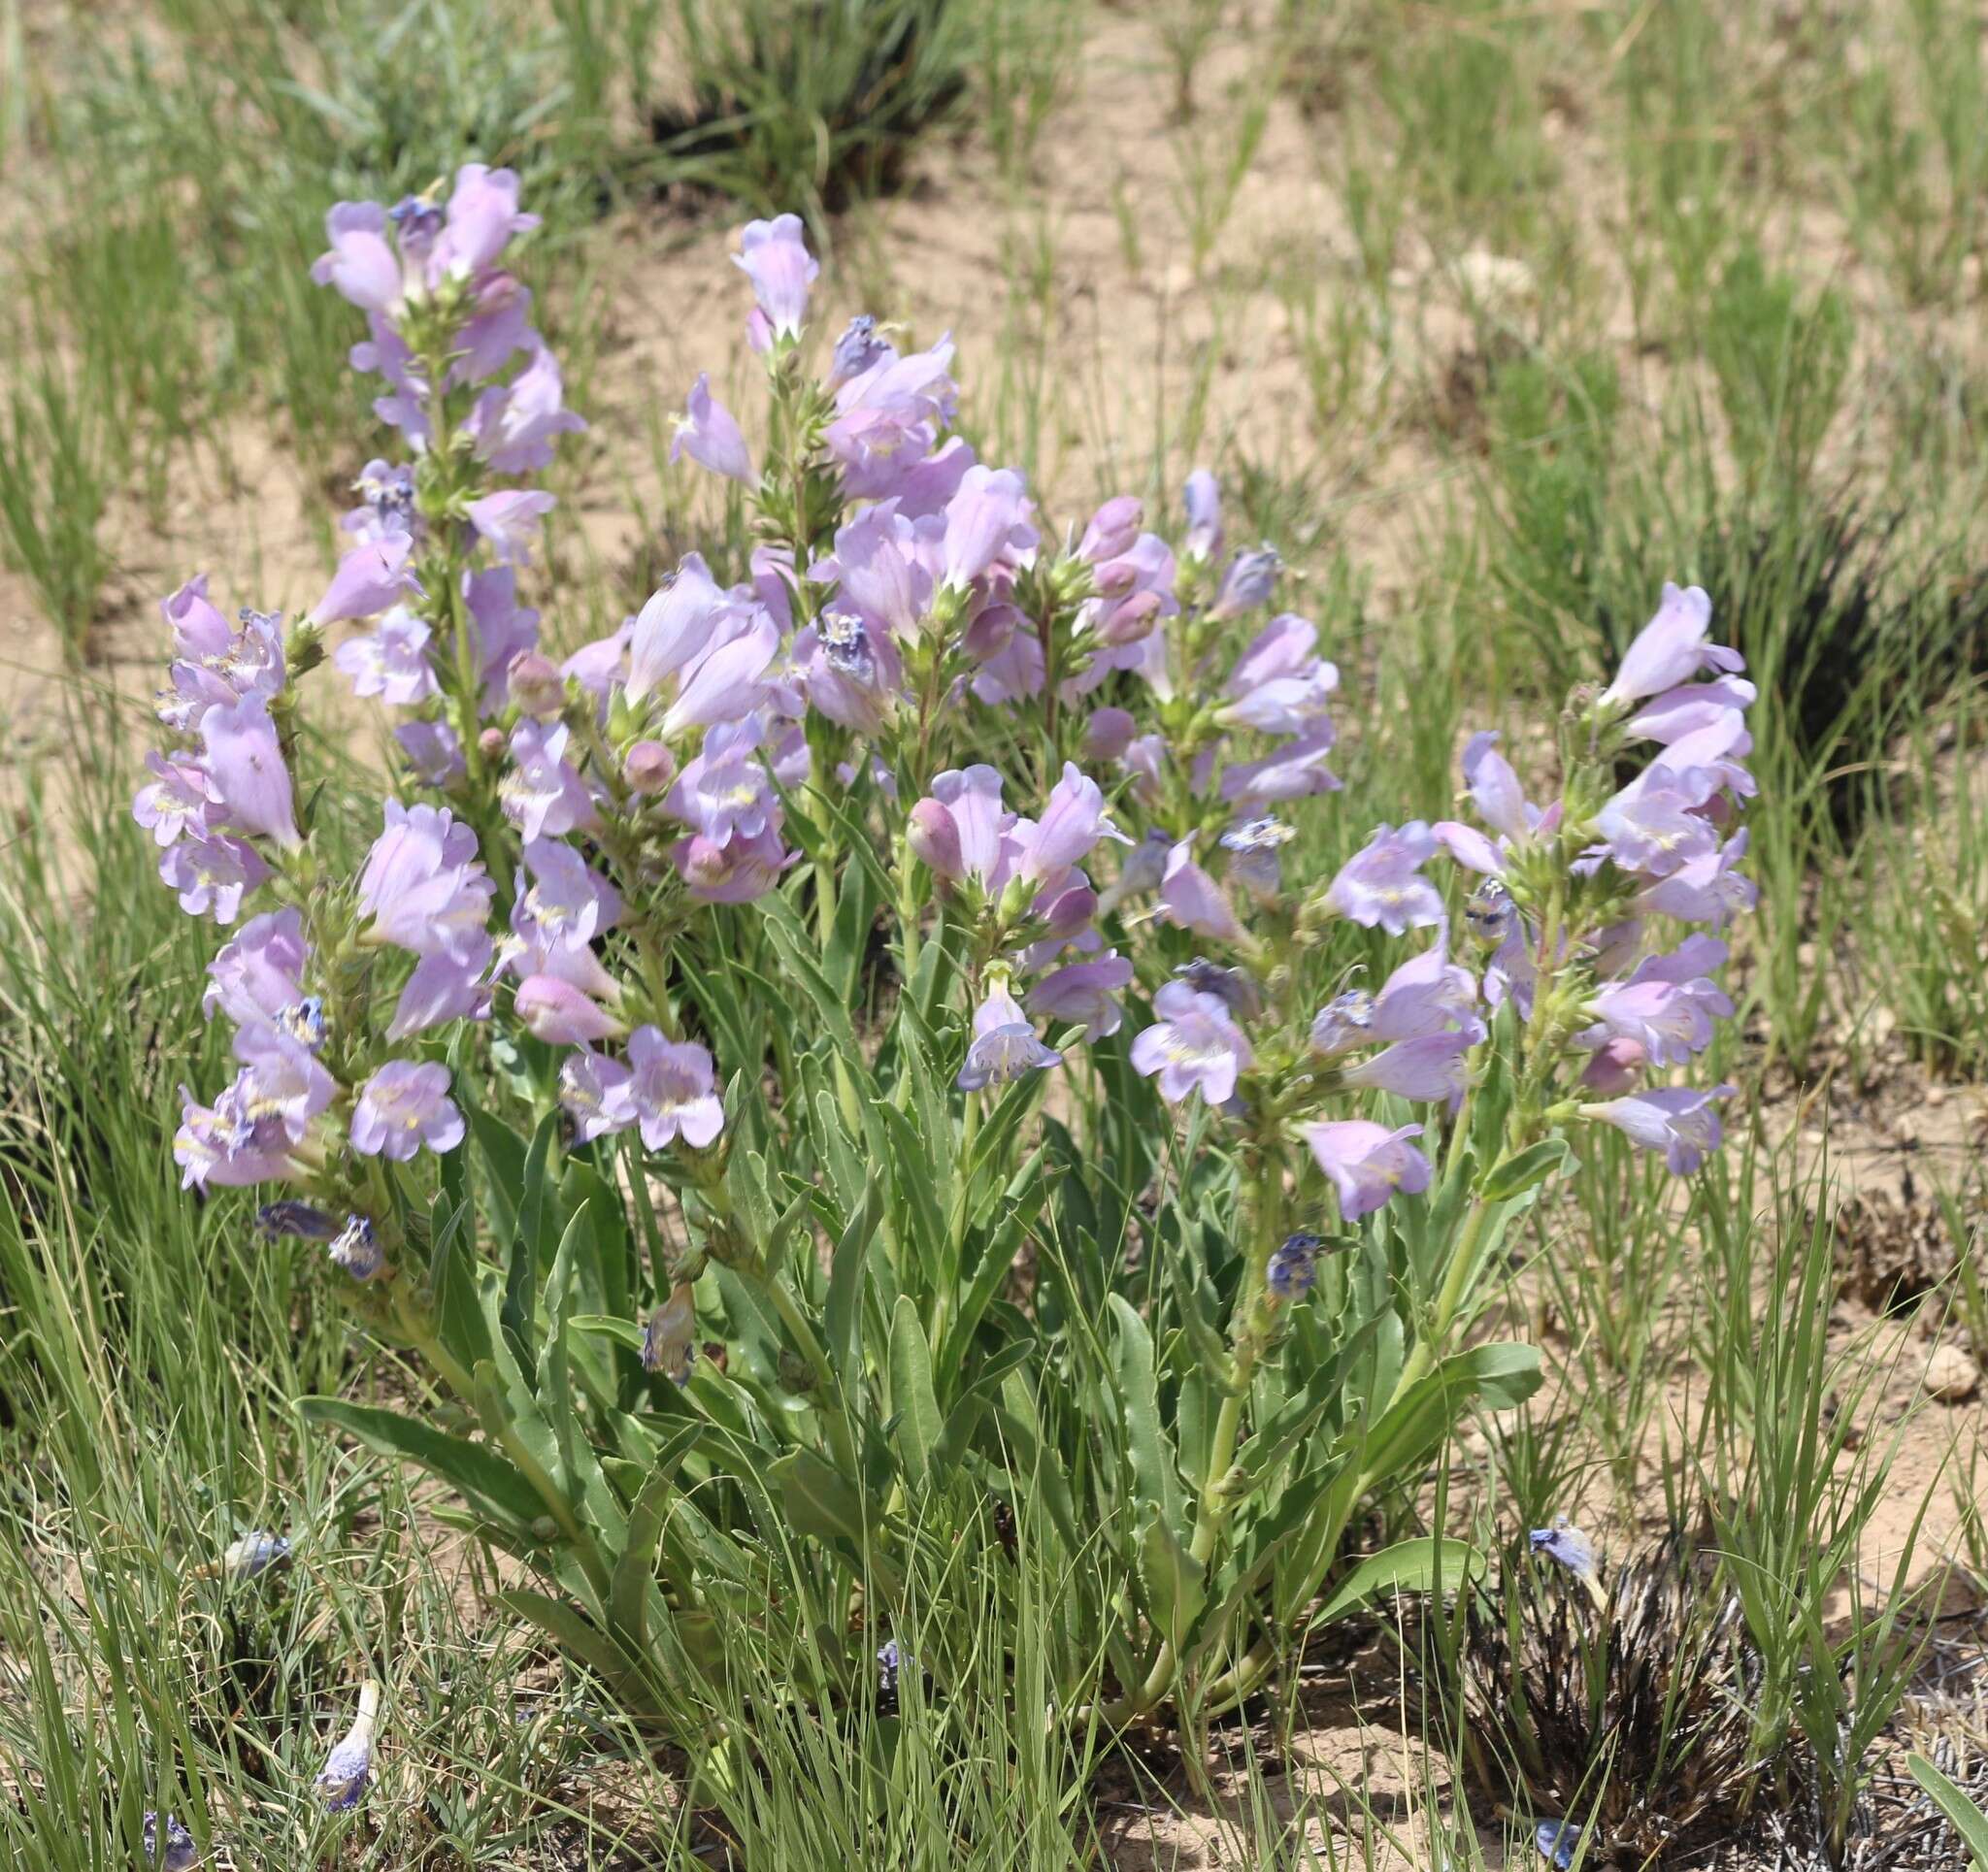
<point>809,106</point>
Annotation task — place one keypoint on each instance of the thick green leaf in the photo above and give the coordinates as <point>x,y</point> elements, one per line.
<point>919,1426</point>
<point>1530,1168</point>
<point>819,1498</point>
<point>635,1572</point>
<point>1176,1582</point>
<point>489,1481</point>
<point>1408,1566</point>
<point>1153,1475</point>
<point>1967,1819</point>
<point>846,1280</point>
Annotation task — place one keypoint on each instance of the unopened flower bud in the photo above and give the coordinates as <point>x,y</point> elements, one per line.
<point>1113,528</point>
<point>703,862</point>
<point>1251,577</point>
<point>536,685</point>
<point>493,744</point>
<point>1129,622</point>
<point>648,767</point>
<point>558,1013</point>
<point>932,837</point>
<point>1108,733</point>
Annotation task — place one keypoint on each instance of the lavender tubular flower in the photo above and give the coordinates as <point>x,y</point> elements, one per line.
<point>403,1106</point>
<point>1084,994</point>
<point>211,875</point>
<point>245,772</point>
<point>1203,503</point>
<point>1681,1122</point>
<point>1003,1046</point>
<point>709,434</point>
<point>1382,884</point>
<point>673,1091</point>
<point>1194,1046</point>
<point>1366,1163</point>
<point>1192,899</point>
<point>987,519</point>
<point>1671,650</point>
<point>1433,1066</point>
<point>370,578</point>
<point>561,1016</point>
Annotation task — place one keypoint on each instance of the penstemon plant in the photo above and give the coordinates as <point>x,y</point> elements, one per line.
<point>820,1162</point>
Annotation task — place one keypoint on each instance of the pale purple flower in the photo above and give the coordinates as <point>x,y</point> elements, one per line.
<point>567,903</point>
<point>1432,1066</point>
<point>371,578</point>
<point>922,487</point>
<point>986,521</point>
<point>1251,579</point>
<point>1706,889</point>
<point>246,770</point>
<point>1085,993</point>
<point>514,425</point>
<point>888,419</point>
<point>594,1090</point>
<point>1690,708</point>
<point>1293,771</point>
<point>403,1105</point>
<point>423,888</point>
<point>1004,1047</point>
<point>1671,650</point>
<point>675,625</point>
<point>1204,501</point>
<point>360,265</point>
<point>878,571</point>
<point>673,1088</point>
<point>442,987</point>
<point>223,1146</point>
<point>281,1082</point>
<point>1278,686</point>
<point>175,800</point>
<point>1108,733</point>
<point>391,662</point>
<point>725,683</point>
<point>260,972</point>
<point>212,872</point>
<point>972,798</point>
<point>1669,1020</point>
<point>507,521</point>
<point>1470,847</point>
<point>497,329</point>
<point>433,752</point>
<point>1681,1121</point>
<point>561,1016</point>
<point>1382,884</point>
<point>1427,993</point>
<point>1495,790</point>
<point>482,216</point>
<point>1192,899</point>
<point>709,434</point>
<point>542,792</point>
<point>502,626</point>
<point>1366,1163</point>
<point>1194,1046</point>
<point>774,256</point>
<point>1073,821</point>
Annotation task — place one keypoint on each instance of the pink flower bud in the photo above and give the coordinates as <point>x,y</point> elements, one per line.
<point>1108,735</point>
<point>536,685</point>
<point>932,837</point>
<point>703,862</point>
<point>648,767</point>
<point>1113,528</point>
<point>492,742</point>
<point>1132,620</point>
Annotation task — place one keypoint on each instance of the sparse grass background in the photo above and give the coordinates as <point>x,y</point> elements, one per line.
<point>1492,317</point>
